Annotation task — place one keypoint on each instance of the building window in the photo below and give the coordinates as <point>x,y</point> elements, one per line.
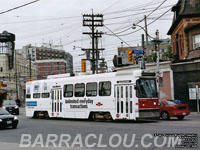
<point>181,43</point>
<point>196,41</point>
<point>1,69</point>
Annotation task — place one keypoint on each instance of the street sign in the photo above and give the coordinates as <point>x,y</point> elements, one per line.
<point>138,52</point>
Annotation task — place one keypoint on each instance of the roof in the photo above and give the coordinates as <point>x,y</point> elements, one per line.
<point>184,9</point>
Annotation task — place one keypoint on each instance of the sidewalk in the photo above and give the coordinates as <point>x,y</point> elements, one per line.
<point>195,113</point>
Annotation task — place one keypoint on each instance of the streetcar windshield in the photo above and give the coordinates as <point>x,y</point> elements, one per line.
<point>146,88</point>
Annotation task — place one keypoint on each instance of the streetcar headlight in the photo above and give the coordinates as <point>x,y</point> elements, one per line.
<point>154,103</point>
<point>0,120</point>
<point>15,117</point>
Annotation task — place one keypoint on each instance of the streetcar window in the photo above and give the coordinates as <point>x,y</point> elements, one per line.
<point>28,95</point>
<point>126,91</point>
<point>122,107</point>
<point>68,90</point>
<point>122,92</point>
<point>146,88</point>
<point>105,88</point>
<point>117,92</point>
<point>52,95</point>
<point>36,95</point>
<point>131,91</point>
<point>131,107</point>
<point>91,89</point>
<point>45,95</point>
<point>60,94</point>
<point>80,90</point>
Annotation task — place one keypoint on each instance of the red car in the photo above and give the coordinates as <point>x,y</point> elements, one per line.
<point>170,108</point>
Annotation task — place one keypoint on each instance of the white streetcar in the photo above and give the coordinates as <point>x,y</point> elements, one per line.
<point>126,95</point>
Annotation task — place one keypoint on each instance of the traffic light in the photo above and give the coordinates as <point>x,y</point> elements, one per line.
<point>83,65</point>
<point>130,56</point>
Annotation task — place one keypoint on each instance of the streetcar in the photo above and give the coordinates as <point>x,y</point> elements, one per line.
<point>122,95</point>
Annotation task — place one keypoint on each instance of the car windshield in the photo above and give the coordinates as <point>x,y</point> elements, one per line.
<point>3,112</point>
<point>170,103</point>
<point>9,102</point>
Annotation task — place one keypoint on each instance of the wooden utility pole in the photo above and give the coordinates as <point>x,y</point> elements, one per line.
<point>146,32</point>
<point>93,21</point>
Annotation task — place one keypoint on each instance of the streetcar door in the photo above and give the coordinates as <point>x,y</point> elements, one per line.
<point>124,101</point>
<point>56,102</point>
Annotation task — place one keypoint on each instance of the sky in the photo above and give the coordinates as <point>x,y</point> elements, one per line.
<point>59,22</point>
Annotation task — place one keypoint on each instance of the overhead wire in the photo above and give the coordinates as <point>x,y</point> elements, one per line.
<point>3,12</point>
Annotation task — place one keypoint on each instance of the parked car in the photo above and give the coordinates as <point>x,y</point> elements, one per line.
<point>170,108</point>
<point>6,119</point>
<point>11,106</point>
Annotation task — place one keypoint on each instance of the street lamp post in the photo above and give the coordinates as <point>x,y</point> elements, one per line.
<point>157,43</point>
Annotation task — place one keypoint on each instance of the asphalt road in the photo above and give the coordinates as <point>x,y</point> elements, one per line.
<point>83,134</point>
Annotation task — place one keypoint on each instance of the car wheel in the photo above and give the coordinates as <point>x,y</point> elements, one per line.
<point>180,117</point>
<point>165,115</point>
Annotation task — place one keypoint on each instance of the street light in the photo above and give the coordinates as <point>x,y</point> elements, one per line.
<point>134,27</point>
<point>157,42</point>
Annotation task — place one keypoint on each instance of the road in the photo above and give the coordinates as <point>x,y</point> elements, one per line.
<point>83,134</point>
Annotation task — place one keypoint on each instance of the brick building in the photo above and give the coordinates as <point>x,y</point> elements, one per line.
<point>49,61</point>
<point>185,29</point>
<point>185,35</point>
<point>50,67</point>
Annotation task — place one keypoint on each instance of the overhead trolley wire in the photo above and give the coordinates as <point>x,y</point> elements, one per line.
<point>18,7</point>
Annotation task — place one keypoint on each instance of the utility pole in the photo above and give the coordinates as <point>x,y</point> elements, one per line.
<point>146,32</point>
<point>16,79</point>
<point>30,72</point>
<point>143,59</point>
<point>30,67</point>
<point>97,54</point>
<point>93,21</point>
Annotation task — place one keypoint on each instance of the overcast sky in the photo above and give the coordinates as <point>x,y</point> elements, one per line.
<point>60,22</point>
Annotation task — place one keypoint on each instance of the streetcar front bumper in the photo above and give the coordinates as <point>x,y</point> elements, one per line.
<point>149,113</point>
